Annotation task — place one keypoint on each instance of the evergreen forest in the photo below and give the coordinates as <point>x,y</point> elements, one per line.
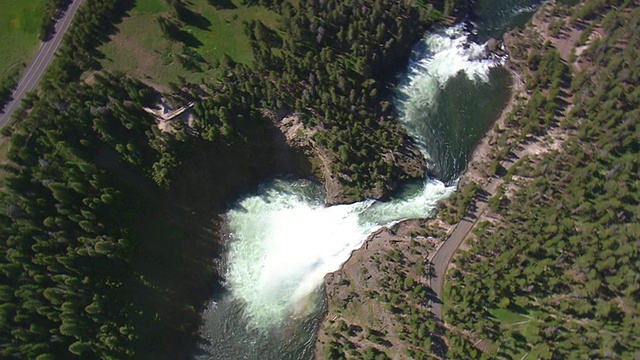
<point>87,171</point>
<point>556,274</point>
<point>91,232</point>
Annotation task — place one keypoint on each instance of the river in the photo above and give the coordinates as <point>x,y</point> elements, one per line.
<point>282,240</point>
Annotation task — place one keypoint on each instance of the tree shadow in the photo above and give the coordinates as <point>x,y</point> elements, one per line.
<point>173,244</point>
<point>432,296</point>
<point>177,257</point>
<point>354,330</point>
<point>222,4</point>
<point>192,61</point>
<point>6,98</point>
<point>482,195</point>
<point>96,34</point>
<point>194,19</point>
<point>188,39</point>
<point>438,343</point>
<point>188,259</point>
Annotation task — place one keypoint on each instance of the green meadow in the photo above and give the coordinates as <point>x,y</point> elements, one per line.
<point>523,324</point>
<point>141,49</point>
<point>19,25</point>
<point>508,317</point>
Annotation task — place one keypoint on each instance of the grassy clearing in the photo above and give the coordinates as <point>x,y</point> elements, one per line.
<point>507,316</point>
<point>19,26</point>
<point>526,327</point>
<point>140,48</point>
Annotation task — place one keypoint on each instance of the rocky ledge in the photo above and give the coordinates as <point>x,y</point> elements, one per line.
<point>407,160</point>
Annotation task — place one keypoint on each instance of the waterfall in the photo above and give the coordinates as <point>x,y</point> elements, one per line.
<point>284,240</point>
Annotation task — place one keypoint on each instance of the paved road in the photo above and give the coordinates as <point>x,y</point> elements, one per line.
<point>40,62</point>
<point>443,255</point>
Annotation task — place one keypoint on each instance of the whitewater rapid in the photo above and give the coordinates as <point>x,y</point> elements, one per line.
<point>283,240</point>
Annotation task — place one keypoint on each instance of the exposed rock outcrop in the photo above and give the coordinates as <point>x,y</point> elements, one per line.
<point>407,160</point>
<point>496,47</point>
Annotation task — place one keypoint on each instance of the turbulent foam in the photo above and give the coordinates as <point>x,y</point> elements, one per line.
<point>525,10</point>
<point>421,204</point>
<point>284,240</point>
<point>439,58</point>
<point>444,55</point>
<point>451,52</point>
<point>283,243</point>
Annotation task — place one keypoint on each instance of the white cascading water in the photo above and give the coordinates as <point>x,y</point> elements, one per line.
<point>284,240</point>
<point>445,54</point>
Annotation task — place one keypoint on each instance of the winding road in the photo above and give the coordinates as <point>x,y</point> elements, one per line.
<point>39,64</point>
<point>442,256</point>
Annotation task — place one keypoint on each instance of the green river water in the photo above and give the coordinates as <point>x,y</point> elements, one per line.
<point>282,239</point>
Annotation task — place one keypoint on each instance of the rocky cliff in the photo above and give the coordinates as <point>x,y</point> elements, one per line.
<point>406,160</point>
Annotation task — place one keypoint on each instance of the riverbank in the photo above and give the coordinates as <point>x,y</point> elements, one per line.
<point>382,298</point>
<point>514,140</point>
<point>406,157</point>
<point>477,167</point>
<point>523,290</point>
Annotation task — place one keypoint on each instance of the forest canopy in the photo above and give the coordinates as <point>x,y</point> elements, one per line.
<point>558,275</point>
<point>86,162</point>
